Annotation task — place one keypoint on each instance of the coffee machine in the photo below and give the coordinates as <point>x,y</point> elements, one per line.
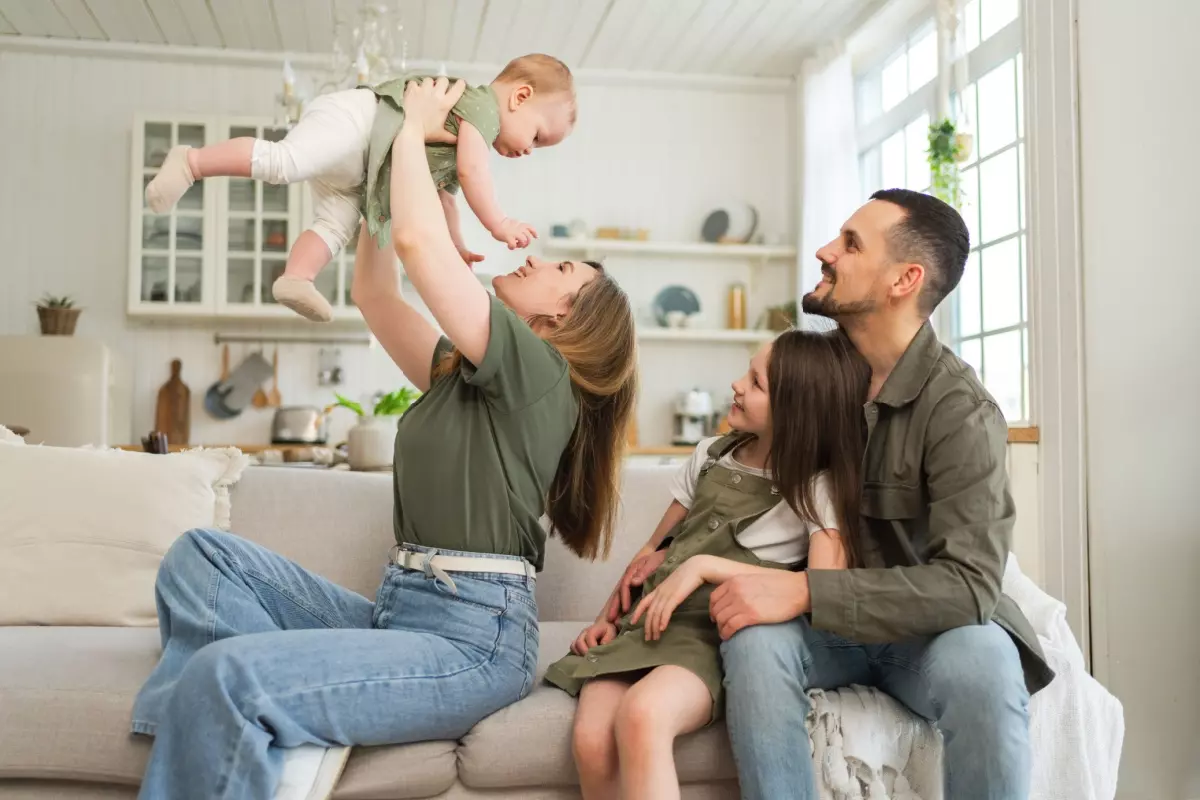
<point>693,418</point>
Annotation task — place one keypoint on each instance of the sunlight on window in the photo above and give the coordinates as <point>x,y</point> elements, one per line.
<point>916,142</point>
<point>995,15</point>
<point>1000,214</point>
<point>895,81</point>
<point>997,121</point>
<point>922,61</point>
<point>1001,267</point>
<point>892,161</point>
<point>1002,372</point>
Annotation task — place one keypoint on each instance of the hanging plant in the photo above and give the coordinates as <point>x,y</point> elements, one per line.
<point>946,150</point>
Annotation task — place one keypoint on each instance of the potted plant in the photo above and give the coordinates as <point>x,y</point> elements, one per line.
<point>947,148</point>
<point>57,315</point>
<point>370,443</point>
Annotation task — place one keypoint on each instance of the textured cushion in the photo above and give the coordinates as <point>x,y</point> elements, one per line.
<point>541,723</point>
<point>99,522</point>
<point>65,699</point>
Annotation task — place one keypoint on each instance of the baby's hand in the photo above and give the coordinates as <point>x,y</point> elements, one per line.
<point>514,233</point>
<point>470,258</point>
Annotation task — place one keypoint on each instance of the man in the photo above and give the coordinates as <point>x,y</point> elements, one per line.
<point>924,619</point>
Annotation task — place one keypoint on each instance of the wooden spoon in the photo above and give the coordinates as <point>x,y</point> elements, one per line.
<point>260,399</point>
<point>225,364</point>
<point>273,397</point>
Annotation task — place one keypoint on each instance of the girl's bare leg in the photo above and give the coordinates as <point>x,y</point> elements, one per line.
<point>594,741</point>
<point>668,702</point>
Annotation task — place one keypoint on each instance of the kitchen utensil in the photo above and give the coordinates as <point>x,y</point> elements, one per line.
<point>173,413</point>
<point>260,399</point>
<point>228,398</point>
<point>273,397</point>
<point>559,231</point>
<point>299,425</point>
<point>716,225</point>
<point>675,298</point>
<point>156,442</point>
<point>743,222</point>
<point>329,367</point>
<point>213,399</point>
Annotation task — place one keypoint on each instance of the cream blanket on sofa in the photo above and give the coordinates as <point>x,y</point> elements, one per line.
<point>867,746</point>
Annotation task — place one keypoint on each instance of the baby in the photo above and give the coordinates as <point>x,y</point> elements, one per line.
<point>342,147</point>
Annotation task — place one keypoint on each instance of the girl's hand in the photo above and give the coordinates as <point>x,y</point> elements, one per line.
<point>599,632</point>
<point>638,572</point>
<point>428,101</point>
<point>662,602</point>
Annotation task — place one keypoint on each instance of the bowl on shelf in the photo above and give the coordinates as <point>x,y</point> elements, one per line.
<point>674,305</point>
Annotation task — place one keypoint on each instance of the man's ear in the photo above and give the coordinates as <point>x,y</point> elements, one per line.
<point>909,281</point>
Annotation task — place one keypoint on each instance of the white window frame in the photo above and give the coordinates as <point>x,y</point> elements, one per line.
<point>982,59</point>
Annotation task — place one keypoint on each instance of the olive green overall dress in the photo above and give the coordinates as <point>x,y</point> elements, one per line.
<point>726,502</point>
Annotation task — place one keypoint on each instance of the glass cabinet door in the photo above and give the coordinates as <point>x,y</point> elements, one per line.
<point>171,247</point>
<point>259,228</point>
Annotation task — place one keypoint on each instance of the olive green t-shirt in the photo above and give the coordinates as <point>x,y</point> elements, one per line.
<point>475,455</point>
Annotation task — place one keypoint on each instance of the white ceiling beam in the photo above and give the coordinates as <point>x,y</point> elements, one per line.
<point>231,23</point>
<point>782,39</point>
<point>501,34</point>
<point>5,26</point>
<point>667,35</point>
<point>200,22</point>
<point>642,28</point>
<point>36,19</point>
<point>169,16</point>
<point>752,37</point>
<point>412,16</point>
<point>110,17</point>
<point>260,25</point>
<point>318,22</point>
<point>712,15</point>
<point>720,38</point>
<point>542,31</point>
<point>464,31</point>
<point>611,34</point>
<point>80,19</point>
<point>435,33</point>
<point>290,25</point>
<point>589,19</point>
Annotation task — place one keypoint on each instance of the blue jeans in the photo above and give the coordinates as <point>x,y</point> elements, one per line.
<point>968,681</point>
<point>260,654</point>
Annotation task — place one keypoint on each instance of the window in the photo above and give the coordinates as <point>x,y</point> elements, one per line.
<point>986,320</point>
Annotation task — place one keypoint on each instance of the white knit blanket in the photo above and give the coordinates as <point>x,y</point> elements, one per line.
<point>867,746</point>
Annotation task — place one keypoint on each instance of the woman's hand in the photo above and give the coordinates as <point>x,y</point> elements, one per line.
<point>662,602</point>
<point>639,570</point>
<point>599,632</point>
<point>426,104</point>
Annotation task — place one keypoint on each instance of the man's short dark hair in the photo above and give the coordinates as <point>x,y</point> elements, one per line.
<point>933,235</point>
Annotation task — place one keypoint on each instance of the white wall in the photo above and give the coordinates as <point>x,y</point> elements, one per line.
<point>1138,72</point>
<point>643,156</point>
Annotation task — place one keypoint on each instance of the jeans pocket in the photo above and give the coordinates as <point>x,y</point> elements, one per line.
<point>481,594</point>
<point>532,637</point>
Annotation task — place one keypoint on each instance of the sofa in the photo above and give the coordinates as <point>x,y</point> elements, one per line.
<point>66,692</point>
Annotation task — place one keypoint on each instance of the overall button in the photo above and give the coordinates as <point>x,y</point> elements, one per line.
<point>737,479</point>
<point>774,490</point>
<point>672,559</point>
<point>592,658</point>
<point>714,523</point>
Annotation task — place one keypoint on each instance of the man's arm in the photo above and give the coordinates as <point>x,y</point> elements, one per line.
<point>970,531</point>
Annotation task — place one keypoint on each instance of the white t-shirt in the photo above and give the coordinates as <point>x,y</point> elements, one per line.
<point>778,535</point>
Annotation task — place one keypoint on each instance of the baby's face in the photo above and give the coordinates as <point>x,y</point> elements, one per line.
<point>536,122</point>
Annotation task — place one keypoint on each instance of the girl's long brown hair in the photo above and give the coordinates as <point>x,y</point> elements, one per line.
<point>596,338</point>
<point>818,383</point>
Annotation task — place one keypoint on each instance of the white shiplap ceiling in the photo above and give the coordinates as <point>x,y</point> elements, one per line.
<point>722,37</point>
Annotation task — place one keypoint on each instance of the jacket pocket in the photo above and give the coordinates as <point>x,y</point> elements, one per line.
<point>890,501</point>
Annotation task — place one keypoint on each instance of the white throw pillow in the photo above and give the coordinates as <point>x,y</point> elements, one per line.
<point>82,531</point>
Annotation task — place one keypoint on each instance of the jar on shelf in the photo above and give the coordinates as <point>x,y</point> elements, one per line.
<point>736,317</point>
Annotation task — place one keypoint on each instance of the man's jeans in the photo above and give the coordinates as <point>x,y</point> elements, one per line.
<point>968,681</point>
<point>259,654</point>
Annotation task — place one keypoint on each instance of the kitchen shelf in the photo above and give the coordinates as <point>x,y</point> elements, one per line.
<point>637,247</point>
<point>705,335</point>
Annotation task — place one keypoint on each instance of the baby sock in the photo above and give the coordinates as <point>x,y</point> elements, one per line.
<point>301,296</point>
<point>173,179</point>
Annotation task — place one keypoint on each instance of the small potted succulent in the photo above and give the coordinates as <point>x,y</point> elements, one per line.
<point>57,315</point>
<point>371,442</point>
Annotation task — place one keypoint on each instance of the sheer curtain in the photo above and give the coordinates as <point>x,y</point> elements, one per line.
<point>831,189</point>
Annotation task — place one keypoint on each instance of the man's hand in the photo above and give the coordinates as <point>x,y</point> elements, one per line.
<point>759,599</point>
<point>514,233</point>
<point>599,632</point>
<point>640,568</point>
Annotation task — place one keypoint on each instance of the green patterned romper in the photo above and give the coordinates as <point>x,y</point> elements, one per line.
<point>478,106</point>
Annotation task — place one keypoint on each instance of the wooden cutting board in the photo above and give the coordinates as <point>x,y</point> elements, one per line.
<point>173,415</point>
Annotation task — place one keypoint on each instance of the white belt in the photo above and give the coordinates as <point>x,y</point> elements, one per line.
<point>438,565</point>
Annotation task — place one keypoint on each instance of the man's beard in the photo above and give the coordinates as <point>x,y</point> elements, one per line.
<point>828,307</point>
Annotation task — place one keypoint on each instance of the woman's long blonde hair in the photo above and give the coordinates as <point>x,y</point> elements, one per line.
<point>597,340</point>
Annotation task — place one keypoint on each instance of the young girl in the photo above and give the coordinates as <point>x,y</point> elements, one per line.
<point>344,140</point>
<point>779,492</point>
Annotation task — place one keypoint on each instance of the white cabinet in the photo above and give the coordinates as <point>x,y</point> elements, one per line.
<point>218,251</point>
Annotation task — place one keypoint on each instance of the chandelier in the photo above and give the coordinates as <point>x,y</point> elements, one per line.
<point>365,48</point>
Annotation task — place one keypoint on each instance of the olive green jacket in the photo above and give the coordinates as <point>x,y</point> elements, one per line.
<point>937,514</point>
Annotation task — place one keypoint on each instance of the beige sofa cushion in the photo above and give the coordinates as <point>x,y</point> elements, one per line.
<point>65,699</point>
<point>99,522</point>
<point>541,723</point>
